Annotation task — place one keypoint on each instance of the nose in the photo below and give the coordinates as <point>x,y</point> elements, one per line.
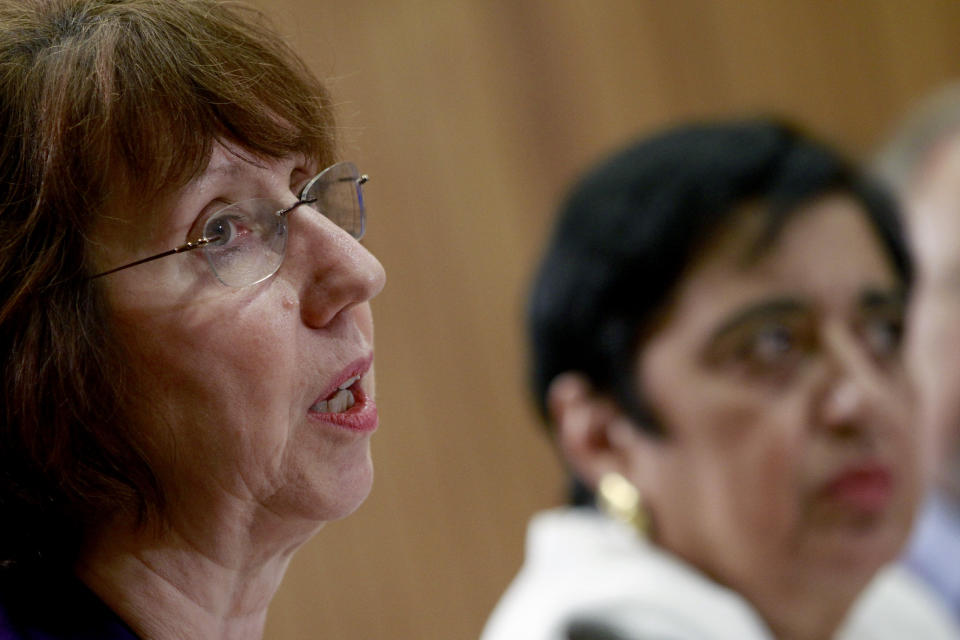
<point>332,271</point>
<point>856,397</point>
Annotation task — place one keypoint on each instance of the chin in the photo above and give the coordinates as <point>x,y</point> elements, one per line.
<point>854,555</point>
<point>339,496</point>
<point>353,492</point>
<point>322,490</point>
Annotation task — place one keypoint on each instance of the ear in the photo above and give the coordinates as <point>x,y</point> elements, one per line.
<point>593,434</point>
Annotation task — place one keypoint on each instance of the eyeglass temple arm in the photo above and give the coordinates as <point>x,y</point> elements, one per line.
<point>189,246</point>
<point>196,244</point>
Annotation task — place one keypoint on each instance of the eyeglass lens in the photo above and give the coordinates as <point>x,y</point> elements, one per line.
<point>337,194</point>
<point>249,239</point>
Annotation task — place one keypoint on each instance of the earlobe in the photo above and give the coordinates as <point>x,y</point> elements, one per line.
<point>588,428</point>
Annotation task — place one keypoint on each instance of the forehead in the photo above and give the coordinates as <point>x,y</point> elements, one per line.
<point>826,255</point>
<point>229,161</point>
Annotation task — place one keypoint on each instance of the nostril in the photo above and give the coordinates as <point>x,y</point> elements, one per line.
<point>847,430</point>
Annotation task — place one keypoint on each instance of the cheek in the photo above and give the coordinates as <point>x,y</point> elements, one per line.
<point>755,499</point>
<point>755,455</point>
<point>208,388</point>
<point>736,458</point>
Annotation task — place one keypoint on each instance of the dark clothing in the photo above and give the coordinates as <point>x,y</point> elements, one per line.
<point>56,607</point>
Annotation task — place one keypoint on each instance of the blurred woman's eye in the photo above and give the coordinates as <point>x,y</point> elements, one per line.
<point>771,344</point>
<point>764,350</point>
<point>883,336</point>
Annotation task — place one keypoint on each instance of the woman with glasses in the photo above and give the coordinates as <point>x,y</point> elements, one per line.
<point>185,324</point>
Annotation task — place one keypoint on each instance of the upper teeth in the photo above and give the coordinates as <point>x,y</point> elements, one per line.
<point>348,383</point>
<point>341,401</point>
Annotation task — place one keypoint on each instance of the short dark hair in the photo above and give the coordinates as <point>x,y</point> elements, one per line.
<point>104,103</point>
<point>633,224</point>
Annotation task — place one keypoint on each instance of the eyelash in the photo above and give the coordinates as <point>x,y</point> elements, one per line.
<point>771,347</point>
<point>298,180</point>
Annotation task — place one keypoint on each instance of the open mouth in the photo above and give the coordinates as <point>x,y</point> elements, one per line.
<point>343,398</point>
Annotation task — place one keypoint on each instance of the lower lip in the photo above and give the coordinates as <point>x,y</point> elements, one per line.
<point>361,417</point>
<point>867,491</point>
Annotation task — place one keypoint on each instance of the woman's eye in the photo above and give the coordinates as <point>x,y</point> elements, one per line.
<point>224,230</point>
<point>770,345</point>
<point>883,336</point>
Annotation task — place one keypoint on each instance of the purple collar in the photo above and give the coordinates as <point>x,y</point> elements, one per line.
<point>55,607</point>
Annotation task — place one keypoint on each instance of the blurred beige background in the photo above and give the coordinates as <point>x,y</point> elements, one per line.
<point>472,117</point>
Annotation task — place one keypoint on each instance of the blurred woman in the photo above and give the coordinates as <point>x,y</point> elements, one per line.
<point>921,163</point>
<point>185,323</point>
<point>716,345</point>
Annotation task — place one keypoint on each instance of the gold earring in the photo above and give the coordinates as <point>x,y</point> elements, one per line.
<point>620,499</point>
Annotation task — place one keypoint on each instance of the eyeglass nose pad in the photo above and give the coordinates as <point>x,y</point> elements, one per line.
<point>283,213</point>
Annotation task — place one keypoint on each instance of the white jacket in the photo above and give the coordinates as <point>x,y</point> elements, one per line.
<point>582,564</point>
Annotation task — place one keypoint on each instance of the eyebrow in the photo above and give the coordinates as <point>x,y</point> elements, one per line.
<point>220,172</point>
<point>762,310</point>
<point>226,168</point>
<point>877,299</point>
<point>872,299</point>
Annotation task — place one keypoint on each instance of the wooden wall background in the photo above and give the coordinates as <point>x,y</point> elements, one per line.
<point>472,116</point>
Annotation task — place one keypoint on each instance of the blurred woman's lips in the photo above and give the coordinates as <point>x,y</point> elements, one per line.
<point>865,488</point>
<point>345,403</point>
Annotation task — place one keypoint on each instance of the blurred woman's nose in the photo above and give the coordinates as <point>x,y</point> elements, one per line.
<point>336,272</point>
<point>853,387</point>
<point>843,406</point>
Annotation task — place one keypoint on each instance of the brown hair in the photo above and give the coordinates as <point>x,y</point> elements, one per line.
<point>101,101</point>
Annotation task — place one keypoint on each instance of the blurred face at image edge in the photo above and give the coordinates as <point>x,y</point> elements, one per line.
<point>789,457</point>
